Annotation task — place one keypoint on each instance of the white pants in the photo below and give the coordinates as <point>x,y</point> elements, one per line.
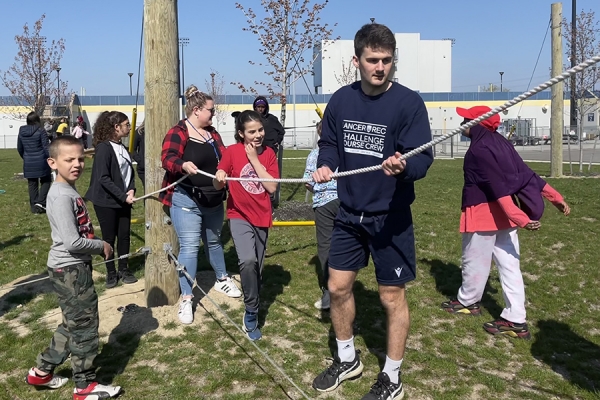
<point>478,250</point>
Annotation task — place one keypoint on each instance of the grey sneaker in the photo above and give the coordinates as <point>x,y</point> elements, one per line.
<point>324,303</point>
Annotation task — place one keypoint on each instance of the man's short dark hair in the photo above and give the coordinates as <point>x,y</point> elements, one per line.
<point>64,140</point>
<point>33,118</point>
<point>375,36</point>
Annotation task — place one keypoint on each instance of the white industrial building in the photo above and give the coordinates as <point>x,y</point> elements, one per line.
<point>422,65</point>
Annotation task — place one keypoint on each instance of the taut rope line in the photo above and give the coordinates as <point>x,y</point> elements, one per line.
<point>557,79</point>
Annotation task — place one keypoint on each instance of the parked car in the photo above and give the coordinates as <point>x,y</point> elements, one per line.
<point>565,139</point>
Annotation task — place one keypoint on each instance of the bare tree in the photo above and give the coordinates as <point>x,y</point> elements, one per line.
<point>285,30</point>
<point>216,89</point>
<point>32,79</point>
<point>494,88</point>
<point>587,45</point>
<point>348,75</point>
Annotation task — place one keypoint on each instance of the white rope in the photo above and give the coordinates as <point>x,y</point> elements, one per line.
<point>181,268</point>
<point>557,79</point>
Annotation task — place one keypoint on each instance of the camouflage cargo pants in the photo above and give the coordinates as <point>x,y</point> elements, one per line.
<point>77,336</point>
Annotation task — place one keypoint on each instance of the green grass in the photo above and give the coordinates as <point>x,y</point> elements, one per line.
<point>447,357</point>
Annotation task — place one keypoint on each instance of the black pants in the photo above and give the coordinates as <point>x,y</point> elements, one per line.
<point>115,223</point>
<point>38,191</point>
<point>324,219</point>
<point>142,175</point>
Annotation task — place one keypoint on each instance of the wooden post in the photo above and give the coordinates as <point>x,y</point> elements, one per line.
<point>557,106</point>
<point>161,102</point>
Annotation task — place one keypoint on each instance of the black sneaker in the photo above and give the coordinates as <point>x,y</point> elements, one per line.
<point>453,306</point>
<point>111,281</point>
<point>384,389</point>
<point>338,372</point>
<point>127,277</point>
<point>507,328</point>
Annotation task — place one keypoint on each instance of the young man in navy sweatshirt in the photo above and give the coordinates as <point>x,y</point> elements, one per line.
<point>372,122</point>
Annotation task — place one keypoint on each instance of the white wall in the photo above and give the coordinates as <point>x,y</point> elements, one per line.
<point>422,65</point>
<point>435,66</point>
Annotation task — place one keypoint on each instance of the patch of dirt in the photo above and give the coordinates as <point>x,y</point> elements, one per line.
<point>531,277</point>
<point>476,389</point>
<point>588,219</point>
<point>155,365</point>
<point>557,246</point>
<point>294,211</point>
<point>137,318</point>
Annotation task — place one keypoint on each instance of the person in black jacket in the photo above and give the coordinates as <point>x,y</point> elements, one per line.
<point>112,187</point>
<point>32,144</point>
<point>139,152</point>
<point>274,133</point>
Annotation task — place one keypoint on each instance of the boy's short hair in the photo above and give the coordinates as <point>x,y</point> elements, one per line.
<point>375,36</point>
<point>65,140</point>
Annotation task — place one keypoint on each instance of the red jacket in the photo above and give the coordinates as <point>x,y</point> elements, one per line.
<point>172,150</point>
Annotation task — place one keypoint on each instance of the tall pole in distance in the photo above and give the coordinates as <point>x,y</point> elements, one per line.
<point>573,96</point>
<point>161,90</point>
<point>57,88</point>
<point>130,87</point>
<point>183,42</point>
<point>501,73</point>
<point>557,105</point>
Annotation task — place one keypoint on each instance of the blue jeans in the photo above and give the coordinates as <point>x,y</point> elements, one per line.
<point>193,223</point>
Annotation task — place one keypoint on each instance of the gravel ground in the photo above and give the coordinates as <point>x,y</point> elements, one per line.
<point>294,211</point>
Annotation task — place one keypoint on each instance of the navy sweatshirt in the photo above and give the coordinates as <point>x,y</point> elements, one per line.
<point>362,131</point>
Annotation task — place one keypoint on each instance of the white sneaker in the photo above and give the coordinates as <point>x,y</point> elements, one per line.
<point>228,287</point>
<point>50,381</point>
<point>185,314</point>
<point>96,391</point>
<point>324,303</point>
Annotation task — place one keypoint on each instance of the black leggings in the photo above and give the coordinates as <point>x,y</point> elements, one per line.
<point>115,223</point>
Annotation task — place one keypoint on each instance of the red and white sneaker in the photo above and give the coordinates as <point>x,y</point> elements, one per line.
<point>49,381</point>
<point>96,391</point>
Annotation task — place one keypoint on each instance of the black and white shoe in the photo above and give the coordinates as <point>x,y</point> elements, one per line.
<point>384,389</point>
<point>338,372</point>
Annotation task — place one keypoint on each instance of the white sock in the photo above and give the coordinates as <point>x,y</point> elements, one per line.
<point>346,351</point>
<point>392,369</point>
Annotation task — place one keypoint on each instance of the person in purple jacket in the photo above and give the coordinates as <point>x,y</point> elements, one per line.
<point>371,123</point>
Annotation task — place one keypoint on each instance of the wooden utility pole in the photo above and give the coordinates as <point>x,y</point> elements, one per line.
<point>161,103</point>
<point>557,106</point>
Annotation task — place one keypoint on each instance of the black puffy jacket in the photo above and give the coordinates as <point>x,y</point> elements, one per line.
<point>32,144</point>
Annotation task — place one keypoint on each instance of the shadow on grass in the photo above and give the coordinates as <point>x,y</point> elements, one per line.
<point>274,280</point>
<point>13,242</point>
<point>21,295</point>
<point>573,357</point>
<point>448,279</point>
<point>124,341</point>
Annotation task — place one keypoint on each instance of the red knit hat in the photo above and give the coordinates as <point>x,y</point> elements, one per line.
<point>491,123</point>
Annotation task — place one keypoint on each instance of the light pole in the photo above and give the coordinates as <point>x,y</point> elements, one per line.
<point>183,42</point>
<point>501,73</point>
<point>57,87</point>
<point>130,87</point>
<point>44,75</point>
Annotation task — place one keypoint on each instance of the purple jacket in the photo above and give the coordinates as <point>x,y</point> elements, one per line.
<point>493,169</point>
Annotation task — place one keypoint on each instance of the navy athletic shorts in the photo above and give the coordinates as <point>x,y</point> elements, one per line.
<point>389,238</point>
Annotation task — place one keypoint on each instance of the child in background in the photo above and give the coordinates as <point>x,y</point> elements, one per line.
<point>111,191</point>
<point>326,205</point>
<point>249,207</point>
<point>495,178</point>
<point>70,271</point>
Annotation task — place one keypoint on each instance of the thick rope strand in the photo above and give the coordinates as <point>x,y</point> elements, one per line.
<point>557,79</point>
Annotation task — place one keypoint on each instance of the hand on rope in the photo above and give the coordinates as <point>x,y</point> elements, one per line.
<point>141,250</point>
<point>390,165</point>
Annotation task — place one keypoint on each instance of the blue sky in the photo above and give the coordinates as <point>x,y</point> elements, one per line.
<point>102,37</point>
